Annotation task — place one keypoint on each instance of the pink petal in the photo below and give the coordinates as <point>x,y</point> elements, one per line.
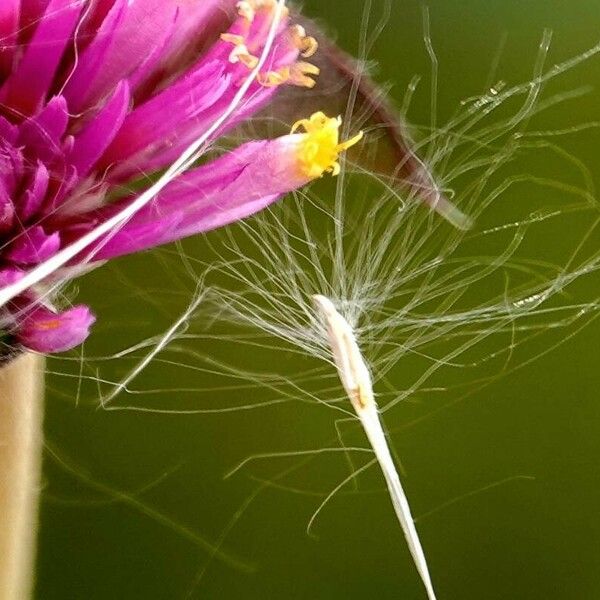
<point>91,143</point>
<point>41,135</point>
<point>10,275</point>
<point>32,12</point>
<point>128,35</point>
<point>27,87</point>
<point>7,209</point>
<point>33,246</point>
<point>228,189</point>
<point>196,24</point>
<point>33,197</point>
<point>158,119</point>
<point>9,27</point>
<point>44,330</point>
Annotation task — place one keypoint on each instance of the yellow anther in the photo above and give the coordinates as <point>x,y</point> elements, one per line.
<point>240,54</point>
<point>246,10</point>
<point>274,78</point>
<point>319,148</point>
<point>299,74</point>
<point>232,38</point>
<point>309,47</point>
<point>248,60</point>
<point>297,32</point>
<point>306,44</point>
<point>351,142</point>
<point>238,50</point>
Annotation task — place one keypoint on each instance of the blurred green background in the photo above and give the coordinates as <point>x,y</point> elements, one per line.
<point>129,497</point>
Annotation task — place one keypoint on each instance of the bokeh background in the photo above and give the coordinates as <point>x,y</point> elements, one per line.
<point>133,501</point>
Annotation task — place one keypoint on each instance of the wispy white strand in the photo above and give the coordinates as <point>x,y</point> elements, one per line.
<point>160,345</point>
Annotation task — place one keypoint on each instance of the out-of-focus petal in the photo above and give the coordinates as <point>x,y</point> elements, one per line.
<point>43,330</point>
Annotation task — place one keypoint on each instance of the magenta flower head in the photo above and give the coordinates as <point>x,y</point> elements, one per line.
<point>95,94</point>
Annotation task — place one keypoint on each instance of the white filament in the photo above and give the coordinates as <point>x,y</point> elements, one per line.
<point>356,379</point>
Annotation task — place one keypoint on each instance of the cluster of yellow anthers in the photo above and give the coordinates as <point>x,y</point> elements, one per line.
<point>297,74</point>
<point>320,146</point>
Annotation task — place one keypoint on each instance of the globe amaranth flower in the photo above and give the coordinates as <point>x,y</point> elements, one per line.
<point>96,93</point>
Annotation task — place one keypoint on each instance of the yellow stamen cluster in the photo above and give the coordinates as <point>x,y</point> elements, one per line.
<point>319,149</point>
<point>297,74</point>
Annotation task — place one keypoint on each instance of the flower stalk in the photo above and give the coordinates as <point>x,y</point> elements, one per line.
<point>21,416</point>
